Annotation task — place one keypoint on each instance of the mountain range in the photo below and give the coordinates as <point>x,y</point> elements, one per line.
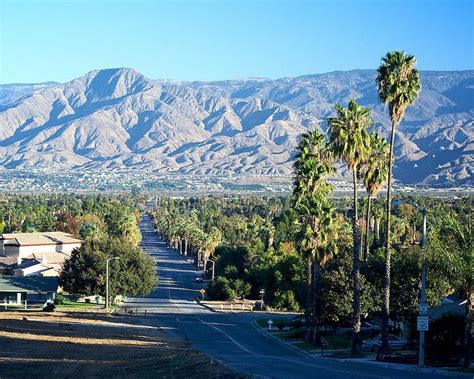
<point>115,118</point>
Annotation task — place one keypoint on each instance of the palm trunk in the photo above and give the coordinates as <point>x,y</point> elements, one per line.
<point>185,247</point>
<point>468,329</point>
<point>367,223</point>
<point>316,303</point>
<point>180,245</point>
<point>309,299</point>
<point>377,232</point>
<point>386,278</point>
<point>356,340</point>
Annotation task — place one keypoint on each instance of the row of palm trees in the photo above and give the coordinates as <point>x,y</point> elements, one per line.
<point>183,233</point>
<point>367,155</point>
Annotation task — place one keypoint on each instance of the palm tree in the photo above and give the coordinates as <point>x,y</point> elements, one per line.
<point>375,170</point>
<point>398,85</point>
<point>313,164</point>
<point>458,234</point>
<point>348,139</point>
<point>319,230</point>
<point>213,239</point>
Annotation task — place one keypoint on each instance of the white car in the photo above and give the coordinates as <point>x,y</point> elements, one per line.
<point>394,343</point>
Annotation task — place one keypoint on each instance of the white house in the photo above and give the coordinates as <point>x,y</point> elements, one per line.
<point>33,266</point>
<point>51,247</point>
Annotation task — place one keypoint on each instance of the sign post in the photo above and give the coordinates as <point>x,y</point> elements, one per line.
<point>202,291</point>
<point>423,320</point>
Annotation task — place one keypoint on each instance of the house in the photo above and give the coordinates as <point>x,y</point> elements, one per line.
<point>450,305</point>
<point>51,247</point>
<point>16,290</point>
<point>34,266</point>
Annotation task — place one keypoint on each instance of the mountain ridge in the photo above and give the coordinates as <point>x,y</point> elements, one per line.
<point>117,118</point>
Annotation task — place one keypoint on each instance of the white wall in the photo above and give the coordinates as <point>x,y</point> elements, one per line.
<point>26,251</point>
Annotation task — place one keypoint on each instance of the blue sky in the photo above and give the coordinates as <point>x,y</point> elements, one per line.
<point>225,39</point>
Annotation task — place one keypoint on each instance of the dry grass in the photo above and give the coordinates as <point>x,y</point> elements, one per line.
<point>66,344</point>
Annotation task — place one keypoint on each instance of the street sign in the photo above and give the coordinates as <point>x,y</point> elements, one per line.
<point>422,323</point>
<point>202,291</point>
<point>423,309</point>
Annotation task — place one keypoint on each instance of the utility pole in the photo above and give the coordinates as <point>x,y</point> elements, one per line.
<point>107,283</point>
<point>423,321</point>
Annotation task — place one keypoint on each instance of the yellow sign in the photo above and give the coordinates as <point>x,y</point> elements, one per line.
<point>203,291</point>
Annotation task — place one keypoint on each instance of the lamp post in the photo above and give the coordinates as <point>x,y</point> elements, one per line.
<point>422,320</point>
<point>107,283</point>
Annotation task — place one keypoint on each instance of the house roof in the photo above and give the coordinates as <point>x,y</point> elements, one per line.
<point>25,263</point>
<point>38,238</point>
<point>52,257</point>
<point>6,261</point>
<point>28,284</point>
<point>456,307</point>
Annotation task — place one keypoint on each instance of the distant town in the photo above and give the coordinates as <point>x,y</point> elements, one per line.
<point>149,182</point>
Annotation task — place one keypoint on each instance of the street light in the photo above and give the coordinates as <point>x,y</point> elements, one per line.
<point>107,283</point>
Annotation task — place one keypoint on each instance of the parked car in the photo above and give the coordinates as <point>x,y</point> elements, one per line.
<point>199,280</point>
<point>367,330</point>
<point>394,343</point>
<point>296,322</point>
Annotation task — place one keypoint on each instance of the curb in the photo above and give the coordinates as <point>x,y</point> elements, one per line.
<point>290,346</point>
<point>206,306</point>
<point>364,363</point>
<point>427,370</point>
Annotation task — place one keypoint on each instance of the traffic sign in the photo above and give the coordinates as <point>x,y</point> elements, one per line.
<point>422,323</point>
<point>203,291</point>
<point>423,310</point>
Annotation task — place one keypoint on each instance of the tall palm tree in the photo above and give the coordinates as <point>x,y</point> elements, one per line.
<point>375,170</point>
<point>348,139</point>
<point>398,85</point>
<point>313,164</point>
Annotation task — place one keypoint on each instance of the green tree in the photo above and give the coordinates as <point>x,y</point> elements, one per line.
<point>315,215</point>
<point>349,141</point>
<point>457,250</point>
<point>84,272</point>
<point>398,85</point>
<point>375,171</point>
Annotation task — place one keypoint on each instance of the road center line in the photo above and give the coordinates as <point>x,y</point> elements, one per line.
<point>229,337</point>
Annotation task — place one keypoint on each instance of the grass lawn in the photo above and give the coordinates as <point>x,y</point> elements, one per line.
<point>306,346</point>
<point>263,322</point>
<point>75,304</point>
<point>339,341</point>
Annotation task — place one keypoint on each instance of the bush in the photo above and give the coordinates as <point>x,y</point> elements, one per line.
<point>220,289</point>
<point>225,289</point>
<point>59,300</point>
<point>285,300</point>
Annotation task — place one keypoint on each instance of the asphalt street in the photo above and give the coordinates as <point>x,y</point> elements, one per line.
<point>232,338</point>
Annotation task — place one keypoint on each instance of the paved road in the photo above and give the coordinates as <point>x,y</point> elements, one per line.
<point>232,338</point>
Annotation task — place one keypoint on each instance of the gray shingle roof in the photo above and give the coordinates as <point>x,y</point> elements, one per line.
<point>28,284</point>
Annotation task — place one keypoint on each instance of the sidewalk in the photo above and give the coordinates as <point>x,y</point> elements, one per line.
<point>448,372</point>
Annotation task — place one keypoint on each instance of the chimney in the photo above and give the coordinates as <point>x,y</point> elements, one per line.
<point>18,261</point>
